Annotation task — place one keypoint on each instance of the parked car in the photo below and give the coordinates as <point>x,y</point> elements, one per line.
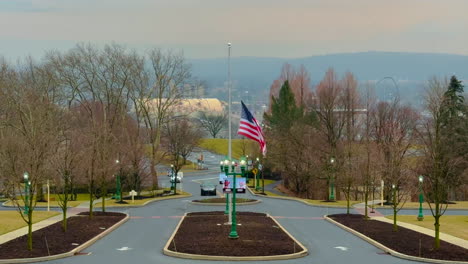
<point>179,178</point>
<point>208,189</point>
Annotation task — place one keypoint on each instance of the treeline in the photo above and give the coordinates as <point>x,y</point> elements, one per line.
<point>336,140</point>
<point>83,116</point>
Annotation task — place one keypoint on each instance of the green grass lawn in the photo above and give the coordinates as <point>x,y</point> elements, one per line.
<point>457,205</point>
<point>114,203</point>
<point>455,225</point>
<point>267,181</point>
<point>220,146</point>
<point>54,198</point>
<point>11,220</point>
<point>341,203</point>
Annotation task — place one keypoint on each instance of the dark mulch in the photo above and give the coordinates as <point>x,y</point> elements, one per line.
<point>52,240</point>
<point>99,213</point>
<point>223,200</point>
<point>200,234</point>
<point>405,241</point>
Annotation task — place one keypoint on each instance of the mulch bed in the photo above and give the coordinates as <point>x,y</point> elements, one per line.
<point>52,240</point>
<point>405,241</point>
<point>223,200</point>
<point>204,233</point>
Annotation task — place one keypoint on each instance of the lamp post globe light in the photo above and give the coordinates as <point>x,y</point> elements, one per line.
<point>421,198</point>
<point>332,180</point>
<point>26,192</point>
<point>221,165</point>
<point>393,194</point>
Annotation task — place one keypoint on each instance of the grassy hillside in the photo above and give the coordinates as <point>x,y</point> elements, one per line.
<point>240,147</point>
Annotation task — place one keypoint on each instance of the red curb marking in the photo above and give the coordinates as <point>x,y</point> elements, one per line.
<point>375,213</point>
<point>155,217</point>
<point>298,217</point>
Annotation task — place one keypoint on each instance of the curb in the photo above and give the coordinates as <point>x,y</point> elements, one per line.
<point>171,253</point>
<point>297,200</point>
<point>150,201</point>
<point>73,251</point>
<point>219,204</point>
<point>388,250</point>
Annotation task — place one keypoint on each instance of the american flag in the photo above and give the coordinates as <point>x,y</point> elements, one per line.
<point>250,128</point>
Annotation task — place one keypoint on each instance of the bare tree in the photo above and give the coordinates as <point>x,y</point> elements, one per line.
<point>439,163</point>
<point>329,109</point>
<point>212,123</point>
<point>160,89</point>
<point>28,132</point>
<point>180,139</point>
<point>299,82</point>
<point>394,131</point>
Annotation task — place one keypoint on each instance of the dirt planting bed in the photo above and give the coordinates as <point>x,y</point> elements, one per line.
<point>51,240</point>
<point>405,241</point>
<point>204,233</point>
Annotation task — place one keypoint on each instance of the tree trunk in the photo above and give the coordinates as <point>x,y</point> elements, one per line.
<point>347,207</point>
<point>91,205</point>
<point>366,197</point>
<point>395,226</point>
<point>154,176</point>
<point>30,223</point>
<point>64,221</point>
<point>437,233</point>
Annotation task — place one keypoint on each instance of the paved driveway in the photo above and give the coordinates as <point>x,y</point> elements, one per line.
<point>146,233</point>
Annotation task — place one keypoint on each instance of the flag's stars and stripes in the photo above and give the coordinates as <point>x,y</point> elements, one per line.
<point>250,128</point>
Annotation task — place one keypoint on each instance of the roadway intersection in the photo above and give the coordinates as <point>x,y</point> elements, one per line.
<point>143,237</point>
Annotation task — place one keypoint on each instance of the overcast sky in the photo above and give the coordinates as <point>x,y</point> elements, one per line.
<point>273,28</point>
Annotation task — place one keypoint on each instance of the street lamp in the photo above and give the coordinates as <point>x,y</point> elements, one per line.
<point>26,192</point>
<point>393,194</point>
<point>173,180</point>
<point>221,165</point>
<point>332,180</point>
<point>118,190</point>
<point>224,168</point>
<point>421,198</point>
<point>257,181</point>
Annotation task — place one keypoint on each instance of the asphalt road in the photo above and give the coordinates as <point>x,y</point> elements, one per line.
<point>146,233</point>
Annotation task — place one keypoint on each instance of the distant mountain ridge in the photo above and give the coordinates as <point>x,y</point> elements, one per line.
<point>257,73</point>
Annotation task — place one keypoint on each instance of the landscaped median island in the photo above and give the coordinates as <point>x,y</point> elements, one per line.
<point>404,241</point>
<point>51,240</point>
<point>142,200</point>
<point>222,201</point>
<point>204,235</point>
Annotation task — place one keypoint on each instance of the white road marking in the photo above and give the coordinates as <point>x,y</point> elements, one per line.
<point>123,248</point>
<point>342,248</point>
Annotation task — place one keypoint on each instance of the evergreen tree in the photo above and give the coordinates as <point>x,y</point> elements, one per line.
<point>285,112</point>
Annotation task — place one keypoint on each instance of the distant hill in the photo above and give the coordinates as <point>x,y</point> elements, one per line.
<point>255,74</point>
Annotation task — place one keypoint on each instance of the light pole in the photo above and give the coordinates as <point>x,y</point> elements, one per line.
<point>226,212</point>
<point>118,190</point>
<point>233,234</point>
<point>332,180</point>
<point>421,198</point>
<point>394,195</point>
<point>173,179</point>
<point>257,181</point>
<point>229,100</point>
<point>26,192</point>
